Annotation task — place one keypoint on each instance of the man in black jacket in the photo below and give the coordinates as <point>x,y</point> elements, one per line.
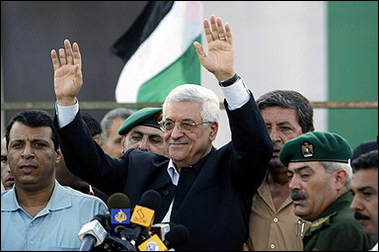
<point>208,190</point>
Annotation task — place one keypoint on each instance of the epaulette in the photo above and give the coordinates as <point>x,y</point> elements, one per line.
<point>319,223</point>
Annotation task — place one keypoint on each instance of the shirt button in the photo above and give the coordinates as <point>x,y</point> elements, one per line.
<point>32,241</point>
<point>166,192</point>
<point>276,219</point>
<point>272,246</point>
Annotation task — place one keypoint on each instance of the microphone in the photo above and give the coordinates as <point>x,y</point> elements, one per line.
<point>104,219</point>
<point>177,237</point>
<point>119,222</point>
<point>119,208</point>
<point>174,239</point>
<point>161,229</point>
<point>92,234</point>
<point>153,243</point>
<point>143,214</point>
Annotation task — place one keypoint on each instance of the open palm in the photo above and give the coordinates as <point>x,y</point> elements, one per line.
<point>220,58</point>
<point>68,77</point>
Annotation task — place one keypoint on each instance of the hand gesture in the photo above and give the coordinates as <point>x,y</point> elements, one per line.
<point>220,58</point>
<point>68,77</point>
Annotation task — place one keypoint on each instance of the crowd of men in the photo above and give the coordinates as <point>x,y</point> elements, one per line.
<point>277,185</point>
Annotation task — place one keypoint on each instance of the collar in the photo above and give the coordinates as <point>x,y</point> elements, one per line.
<point>343,201</point>
<point>59,199</point>
<point>324,219</point>
<point>175,175</point>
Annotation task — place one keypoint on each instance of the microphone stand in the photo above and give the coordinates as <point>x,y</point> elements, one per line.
<point>113,243</point>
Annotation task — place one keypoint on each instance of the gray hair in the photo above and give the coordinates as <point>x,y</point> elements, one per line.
<point>331,167</point>
<point>209,101</point>
<point>108,118</point>
<point>290,99</point>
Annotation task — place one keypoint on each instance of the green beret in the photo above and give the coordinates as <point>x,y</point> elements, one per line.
<point>145,116</point>
<point>316,146</point>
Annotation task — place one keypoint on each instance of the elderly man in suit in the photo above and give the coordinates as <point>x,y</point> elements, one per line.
<point>208,190</point>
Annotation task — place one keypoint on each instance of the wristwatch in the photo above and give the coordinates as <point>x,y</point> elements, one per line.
<point>230,81</point>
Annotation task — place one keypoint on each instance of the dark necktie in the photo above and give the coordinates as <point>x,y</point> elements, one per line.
<point>186,179</point>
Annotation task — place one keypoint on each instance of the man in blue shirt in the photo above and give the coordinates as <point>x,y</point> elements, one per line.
<point>39,213</point>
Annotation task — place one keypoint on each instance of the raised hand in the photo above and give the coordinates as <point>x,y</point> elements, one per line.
<point>220,58</point>
<point>68,77</point>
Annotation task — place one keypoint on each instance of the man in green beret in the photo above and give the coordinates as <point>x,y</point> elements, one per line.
<point>320,176</point>
<point>141,131</point>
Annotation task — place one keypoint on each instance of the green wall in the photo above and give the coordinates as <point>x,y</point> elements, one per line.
<point>353,67</point>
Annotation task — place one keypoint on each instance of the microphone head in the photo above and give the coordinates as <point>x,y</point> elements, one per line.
<point>177,237</point>
<point>119,208</point>
<point>118,200</point>
<point>103,218</point>
<point>150,199</point>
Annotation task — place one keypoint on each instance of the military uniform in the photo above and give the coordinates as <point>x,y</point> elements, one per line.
<point>337,229</point>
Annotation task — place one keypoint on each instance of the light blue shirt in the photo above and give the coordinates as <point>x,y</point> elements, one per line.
<point>54,228</point>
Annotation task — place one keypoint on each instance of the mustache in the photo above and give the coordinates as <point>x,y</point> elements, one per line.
<point>359,216</point>
<point>298,195</point>
<point>177,141</point>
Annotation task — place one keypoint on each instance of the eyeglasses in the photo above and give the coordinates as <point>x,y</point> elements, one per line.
<point>184,125</point>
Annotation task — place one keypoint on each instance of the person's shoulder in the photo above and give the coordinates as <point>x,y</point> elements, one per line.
<point>145,156</point>
<point>80,197</point>
<point>7,195</point>
<point>4,192</point>
<point>345,222</point>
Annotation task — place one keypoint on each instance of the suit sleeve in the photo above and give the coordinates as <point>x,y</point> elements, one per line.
<point>251,145</point>
<point>85,158</point>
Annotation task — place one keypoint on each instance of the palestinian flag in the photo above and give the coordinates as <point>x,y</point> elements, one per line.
<point>158,51</point>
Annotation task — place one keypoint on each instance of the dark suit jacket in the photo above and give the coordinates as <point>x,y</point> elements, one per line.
<point>217,206</point>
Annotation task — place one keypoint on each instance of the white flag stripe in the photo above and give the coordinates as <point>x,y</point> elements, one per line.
<point>165,45</point>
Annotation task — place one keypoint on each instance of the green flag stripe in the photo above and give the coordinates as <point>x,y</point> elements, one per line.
<point>185,70</point>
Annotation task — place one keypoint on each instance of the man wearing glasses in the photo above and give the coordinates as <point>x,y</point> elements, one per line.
<point>208,190</point>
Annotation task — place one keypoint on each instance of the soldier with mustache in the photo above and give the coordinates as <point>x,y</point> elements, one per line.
<point>320,175</point>
<point>364,187</point>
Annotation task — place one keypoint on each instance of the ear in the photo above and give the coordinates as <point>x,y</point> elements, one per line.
<point>100,141</point>
<point>214,130</point>
<point>59,155</point>
<point>340,177</point>
<point>123,140</point>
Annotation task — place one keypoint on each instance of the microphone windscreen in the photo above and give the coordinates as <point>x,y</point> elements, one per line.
<point>103,218</point>
<point>118,200</point>
<point>150,199</point>
<point>177,236</point>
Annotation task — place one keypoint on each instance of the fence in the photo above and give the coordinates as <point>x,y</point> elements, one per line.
<point>111,105</point>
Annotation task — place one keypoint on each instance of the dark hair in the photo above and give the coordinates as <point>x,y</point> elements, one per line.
<point>92,123</point>
<point>34,118</point>
<point>290,99</point>
<point>366,160</point>
<point>364,147</point>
